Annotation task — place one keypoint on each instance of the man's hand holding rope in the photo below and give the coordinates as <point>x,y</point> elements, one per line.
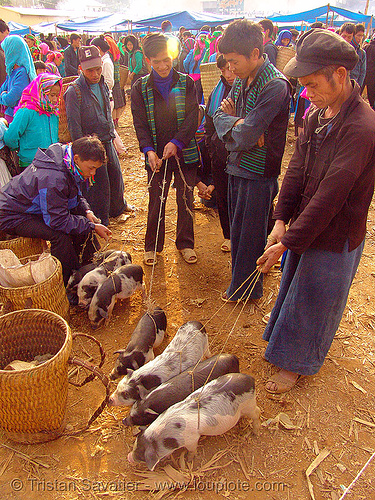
<point>154,161</point>
<point>273,249</point>
<point>103,231</point>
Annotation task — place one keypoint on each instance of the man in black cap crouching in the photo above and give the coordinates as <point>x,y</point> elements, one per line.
<point>324,198</point>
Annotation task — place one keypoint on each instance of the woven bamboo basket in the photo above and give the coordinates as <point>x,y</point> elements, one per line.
<point>64,134</point>
<point>210,75</point>
<point>33,401</point>
<point>284,55</point>
<point>49,294</point>
<point>22,247</point>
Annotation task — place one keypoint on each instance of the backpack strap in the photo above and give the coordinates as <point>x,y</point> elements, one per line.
<point>78,92</point>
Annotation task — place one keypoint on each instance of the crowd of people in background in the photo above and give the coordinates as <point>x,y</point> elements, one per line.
<point>229,144</point>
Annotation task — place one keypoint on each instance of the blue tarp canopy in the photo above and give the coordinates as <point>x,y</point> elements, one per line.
<point>190,19</point>
<point>109,23</point>
<point>20,29</point>
<point>310,16</point>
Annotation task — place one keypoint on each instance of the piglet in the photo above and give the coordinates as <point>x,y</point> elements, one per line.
<point>148,333</point>
<point>91,281</point>
<point>121,284</point>
<point>178,388</point>
<point>209,411</point>
<point>78,274</point>
<point>188,346</point>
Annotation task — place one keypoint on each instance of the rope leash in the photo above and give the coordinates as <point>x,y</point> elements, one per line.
<point>162,200</point>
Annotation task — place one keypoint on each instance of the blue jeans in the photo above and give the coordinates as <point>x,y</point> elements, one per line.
<point>249,202</point>
<point>313,292</point>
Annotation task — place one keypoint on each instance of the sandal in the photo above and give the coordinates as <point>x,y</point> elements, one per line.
<point>283,384</point>
<point>189,255</point>
<point>149,258</point>
<point>226,247</point>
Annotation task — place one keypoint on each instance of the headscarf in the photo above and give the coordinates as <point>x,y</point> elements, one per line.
<point>33,39</point>
<point>113,49</point>
<point>189,44</point>
<point>120,44</point>
<point>35,95</point>
<point>44,49</point>
<point>17,52</point>
<point>200,46</point>
<point>213,41</point>
<point>52,56</point>
<point>52,69</point>
<point>283,34</point>
<point>34,49</point>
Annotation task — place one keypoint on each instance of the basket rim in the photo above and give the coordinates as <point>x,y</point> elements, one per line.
<point>31,287</point>
<point>68,338</point>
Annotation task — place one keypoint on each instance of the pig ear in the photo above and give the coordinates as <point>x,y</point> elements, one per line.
<point>151,412</point>
<point>151,458</point>
<point>120,351</point>
<point>142,391</point>
<point>129,371</point>
<point>103,313</point>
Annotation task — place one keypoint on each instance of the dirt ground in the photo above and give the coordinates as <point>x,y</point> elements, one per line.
<point>330,416</point>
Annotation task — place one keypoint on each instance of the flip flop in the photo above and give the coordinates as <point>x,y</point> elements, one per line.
<point>189,255</point>
<point>283,384</point>
<point>226,247</point>
<point>149,259</point>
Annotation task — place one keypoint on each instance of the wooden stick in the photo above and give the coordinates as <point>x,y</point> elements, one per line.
<point>357,476</point>
<point>25,457</point>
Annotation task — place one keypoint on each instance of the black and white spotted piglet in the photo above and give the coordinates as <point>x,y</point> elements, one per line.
<point>121,284</point>
<point>188,346</point>
<point>178,388</point>
<point>78,274</point>
<point>209,411</point>
<point>148,333</point>
<point>91,281</point>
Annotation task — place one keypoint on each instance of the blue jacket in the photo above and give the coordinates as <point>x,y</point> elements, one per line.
<point>191,66</point>
<point>358,73</point>
<point>47,189</point>
<point>71,61</point>
<point>11,90</point>
<point>84,113</point>
<point>29,131</point>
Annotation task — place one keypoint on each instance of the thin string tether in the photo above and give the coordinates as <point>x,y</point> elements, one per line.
<point>162,200</point>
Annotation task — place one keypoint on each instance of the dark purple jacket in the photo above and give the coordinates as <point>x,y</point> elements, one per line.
<point>326,198</point>
<point>46,188</point>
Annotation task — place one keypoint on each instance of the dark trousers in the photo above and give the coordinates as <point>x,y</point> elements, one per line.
<point>106,196</point>
<point>185,230</point>
<point>65,247</point>
<point>220,179</point>
<point>313,293</point>
<point>249,203</point>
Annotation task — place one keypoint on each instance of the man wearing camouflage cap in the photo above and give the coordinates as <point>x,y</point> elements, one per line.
<point>324,199</point>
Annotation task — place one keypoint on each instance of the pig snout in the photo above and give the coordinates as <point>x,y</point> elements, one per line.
<point>113,400</point>
<point>131,459</point>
